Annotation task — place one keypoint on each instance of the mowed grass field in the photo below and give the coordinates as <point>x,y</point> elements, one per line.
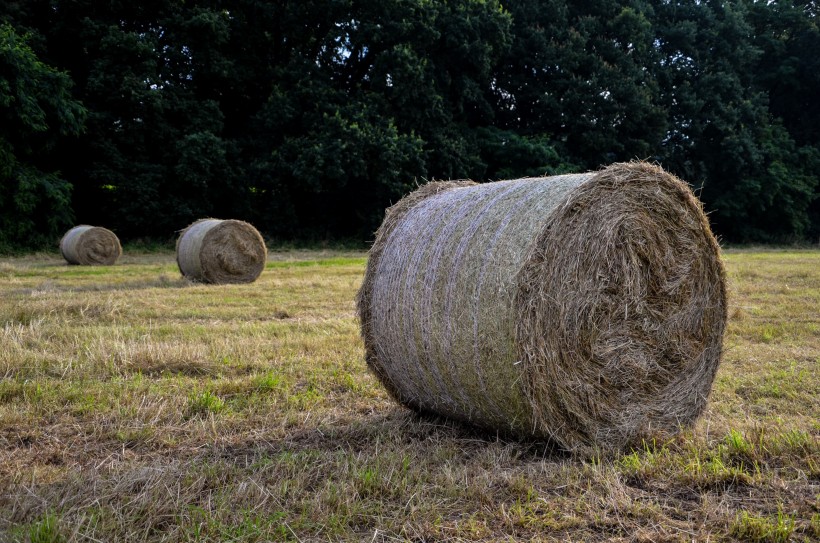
<point>136,406</point>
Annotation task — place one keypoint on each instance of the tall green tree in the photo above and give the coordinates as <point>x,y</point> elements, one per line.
<point>788,36</point>
<point>157,156</point>
<point>156,153</point>
<point>309,118</point>
<point>755,180</point>
<point>36,112</point>
<point>579,74</point>
<point>369,99</point>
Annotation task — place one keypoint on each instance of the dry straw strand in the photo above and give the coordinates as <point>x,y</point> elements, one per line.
<point>585,308</point>
<point>90,246</point>
<point>221,251</point>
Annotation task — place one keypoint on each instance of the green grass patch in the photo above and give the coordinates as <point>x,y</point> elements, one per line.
<point>46,530</point>
<point>759,529</point>
<point>329,262</point>
<point>205,403</point>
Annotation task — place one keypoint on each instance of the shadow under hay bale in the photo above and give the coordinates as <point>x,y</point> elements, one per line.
<point>221,251</point>
<point>90,246</point>
<point>588,309</point>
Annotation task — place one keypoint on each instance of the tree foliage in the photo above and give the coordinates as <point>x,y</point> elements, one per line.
<point>36,110</point>
<point>756,180</point>
<point>309,118</point>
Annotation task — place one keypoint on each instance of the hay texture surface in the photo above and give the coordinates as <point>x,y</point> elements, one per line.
<point>90,246</point>
<point>588,309</point>
<point>221,251</point>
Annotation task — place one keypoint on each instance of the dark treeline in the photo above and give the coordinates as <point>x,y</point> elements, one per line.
<point>308,118</point>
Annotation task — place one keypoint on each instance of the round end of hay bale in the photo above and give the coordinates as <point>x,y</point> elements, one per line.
<point>221,251</point>
<point>90,246</point>
<point>621,310</point>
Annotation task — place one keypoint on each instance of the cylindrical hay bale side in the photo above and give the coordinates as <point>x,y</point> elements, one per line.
<point>90,246</point>
<point>221,251</point>
<point>588,309</point>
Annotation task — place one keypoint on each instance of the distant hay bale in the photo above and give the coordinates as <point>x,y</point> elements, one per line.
<point>90,246</point>
<point>217,251</point>
<point>588,309</point>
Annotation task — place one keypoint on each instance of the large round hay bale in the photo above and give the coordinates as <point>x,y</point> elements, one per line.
<point>588,309</point>
<point>217,251</point>
<point>90,246</point>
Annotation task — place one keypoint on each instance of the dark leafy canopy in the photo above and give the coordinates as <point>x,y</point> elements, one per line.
<point>156,153</point>
<point>755,177</point>
<point>308,118</point>
<point>582,73</point>
<point>788,38</point>
<point>36,111</point>
<point>367,99</point>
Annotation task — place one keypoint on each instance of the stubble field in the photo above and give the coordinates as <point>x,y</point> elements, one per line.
<point>136,406</point>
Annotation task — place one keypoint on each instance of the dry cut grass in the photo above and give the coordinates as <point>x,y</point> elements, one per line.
<point>136,406</point>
